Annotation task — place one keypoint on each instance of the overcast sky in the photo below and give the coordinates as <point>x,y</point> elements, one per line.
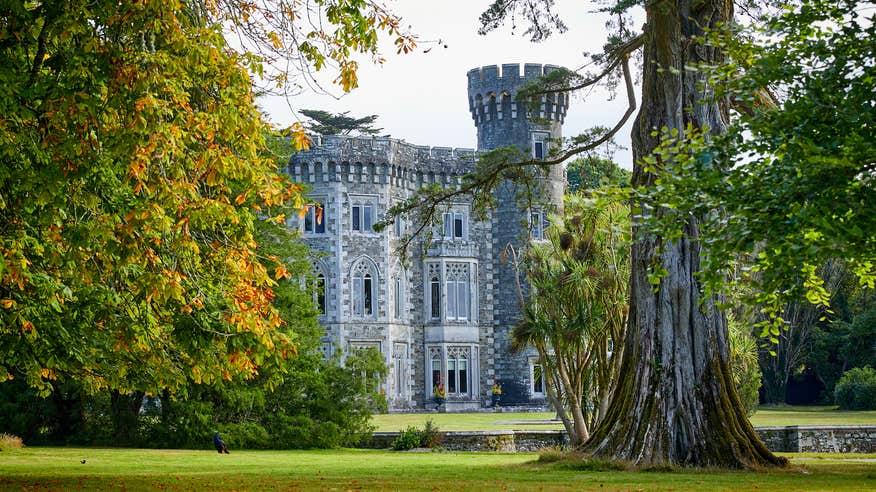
<point>422,97</point>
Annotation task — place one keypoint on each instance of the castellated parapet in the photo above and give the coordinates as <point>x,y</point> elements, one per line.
<point>492,92</point>
<point>380,160</point>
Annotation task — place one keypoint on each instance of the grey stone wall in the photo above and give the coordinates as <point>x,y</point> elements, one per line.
<point>820,439</point>
<point>493,441</point>
<point>792,439</point>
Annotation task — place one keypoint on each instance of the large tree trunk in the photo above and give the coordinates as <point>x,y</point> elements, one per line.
<point>675,403</point>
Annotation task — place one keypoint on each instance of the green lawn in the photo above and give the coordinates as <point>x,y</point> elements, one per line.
<point>765,416</point>
<point>135,469</point>
<point>787,415</point>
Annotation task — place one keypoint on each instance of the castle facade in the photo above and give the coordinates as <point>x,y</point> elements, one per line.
<point>445,313</point>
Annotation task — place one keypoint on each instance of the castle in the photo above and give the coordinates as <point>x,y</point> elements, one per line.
<point>444,315</point>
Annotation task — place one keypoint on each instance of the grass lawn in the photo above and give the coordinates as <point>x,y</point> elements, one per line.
<point>136,469</point>
<point>765,416</point>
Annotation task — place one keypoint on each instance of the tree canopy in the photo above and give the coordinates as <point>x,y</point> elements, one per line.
<point>133,178</point>
<point>801,188</point>
<point>591,172</point>
<point>326,123</point>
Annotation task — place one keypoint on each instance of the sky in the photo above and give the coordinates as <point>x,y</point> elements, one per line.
<point>422,97</point>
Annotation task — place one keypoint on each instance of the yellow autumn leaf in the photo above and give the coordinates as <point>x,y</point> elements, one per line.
<point>241,197</point>
<point>7,303</point>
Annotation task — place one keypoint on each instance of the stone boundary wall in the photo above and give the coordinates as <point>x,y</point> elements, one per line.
<point>790,439</point>
<point>489,441</point>
<point>820,438</point>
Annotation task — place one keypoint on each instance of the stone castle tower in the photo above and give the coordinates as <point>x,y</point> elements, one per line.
<point>444,314</point>
<point>501,121</point>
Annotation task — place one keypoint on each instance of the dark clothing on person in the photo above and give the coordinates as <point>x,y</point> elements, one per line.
<point>220,444</point>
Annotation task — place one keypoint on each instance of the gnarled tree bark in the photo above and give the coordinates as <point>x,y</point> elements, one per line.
<point>675,401</point>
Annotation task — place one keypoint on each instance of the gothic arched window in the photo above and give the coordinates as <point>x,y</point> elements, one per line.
<point>364,282</point>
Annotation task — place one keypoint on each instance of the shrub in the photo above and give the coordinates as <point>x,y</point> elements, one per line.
<point>409,438</point>
<point>744,365</point>
<point>9,442</point>
<point>856,389</point>
<point>245,435</point>
<point>430,437</point>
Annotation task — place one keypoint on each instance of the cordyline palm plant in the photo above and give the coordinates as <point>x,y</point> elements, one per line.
<point>576,316</point>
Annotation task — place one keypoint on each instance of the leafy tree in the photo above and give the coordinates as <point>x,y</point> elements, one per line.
<point>802,191</point>
<point>677,403</point>
<point>325,123</point>
<point>591,172</point>
<point>845,340</point>
<point>781,360</point>
<point>577,314</point>
<point>132,180</point>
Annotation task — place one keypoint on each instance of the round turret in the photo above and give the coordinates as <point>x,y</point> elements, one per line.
<point>501,121</point>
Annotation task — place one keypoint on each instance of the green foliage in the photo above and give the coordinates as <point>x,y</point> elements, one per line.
<point>129,200</point>
<point>412,437</point>
<point>409,438</point>
<point>578,311</point>
<point>133,178</point>
<point>845,340</point>
<point>589,173</point>
<point>431,436</point>
<point>744,364</point>
<point>856,389</point>
<point>793,175</point>
<point>325,123</point>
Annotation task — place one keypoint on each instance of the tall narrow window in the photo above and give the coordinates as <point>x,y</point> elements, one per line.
<point>435,355</point>
<point>398,299</point>
<point>537,380</point>
<point>399,356</point>
<point>366,281</point>
<point>357,224</point>
<point>463,375</point>
<point>319,293</point>
<point>397,226</point>
<point>451,376</point>
<point>435,291</point>
<point>540,145</point>
<point>366,218</point>
<point>363,283</point>
<point>536,225</point>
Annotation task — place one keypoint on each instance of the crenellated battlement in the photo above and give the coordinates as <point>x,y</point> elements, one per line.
<point>492,90</point>
<point>379,160</point>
